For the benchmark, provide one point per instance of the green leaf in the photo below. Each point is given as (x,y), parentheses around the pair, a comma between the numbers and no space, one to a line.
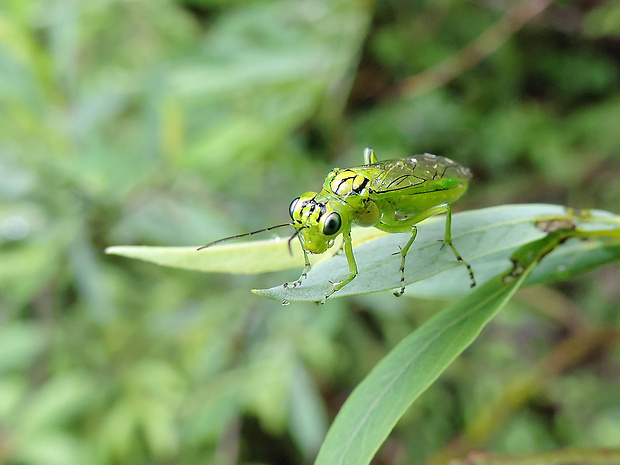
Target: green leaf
(485,238)
(604,20)
(376,404)
(235,258)
(243,258)
(574,257)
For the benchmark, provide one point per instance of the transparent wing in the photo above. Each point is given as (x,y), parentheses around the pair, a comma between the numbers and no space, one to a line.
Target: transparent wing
(421,171)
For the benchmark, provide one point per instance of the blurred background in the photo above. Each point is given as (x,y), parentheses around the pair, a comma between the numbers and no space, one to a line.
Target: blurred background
(178,122)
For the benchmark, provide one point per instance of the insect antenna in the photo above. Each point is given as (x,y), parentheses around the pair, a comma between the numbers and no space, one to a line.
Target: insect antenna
(295,234)
(247,234)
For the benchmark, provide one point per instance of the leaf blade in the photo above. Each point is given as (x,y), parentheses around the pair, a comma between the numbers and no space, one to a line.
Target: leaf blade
(485,238)
(238,258)
(376,404)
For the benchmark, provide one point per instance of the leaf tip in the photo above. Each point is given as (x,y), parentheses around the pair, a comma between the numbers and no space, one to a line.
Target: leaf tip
(112,250)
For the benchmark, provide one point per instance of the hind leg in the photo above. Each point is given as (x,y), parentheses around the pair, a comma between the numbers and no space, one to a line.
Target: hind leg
(409,224)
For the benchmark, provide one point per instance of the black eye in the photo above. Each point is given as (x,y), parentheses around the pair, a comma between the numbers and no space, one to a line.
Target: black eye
(332,224)
(291,208)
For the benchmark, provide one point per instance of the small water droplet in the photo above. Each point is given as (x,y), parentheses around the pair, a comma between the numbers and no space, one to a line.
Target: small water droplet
(286,302)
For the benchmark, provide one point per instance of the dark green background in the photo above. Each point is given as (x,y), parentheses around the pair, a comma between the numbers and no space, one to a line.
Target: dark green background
(180,122)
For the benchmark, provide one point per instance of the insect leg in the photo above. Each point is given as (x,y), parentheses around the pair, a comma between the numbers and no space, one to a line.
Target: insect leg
(401,226)
(404,225)
(340,249)
(448,240)
(304,273)
(348,250)
(403,252)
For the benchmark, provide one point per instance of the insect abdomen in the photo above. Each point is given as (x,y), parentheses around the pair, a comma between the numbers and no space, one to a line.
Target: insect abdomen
(420,200)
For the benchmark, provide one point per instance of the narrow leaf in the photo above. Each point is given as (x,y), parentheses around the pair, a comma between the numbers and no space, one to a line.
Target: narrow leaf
(485,238)
(236,257)
(374,407)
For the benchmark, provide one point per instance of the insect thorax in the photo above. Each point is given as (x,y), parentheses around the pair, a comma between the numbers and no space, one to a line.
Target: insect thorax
(343,183)
(352,189)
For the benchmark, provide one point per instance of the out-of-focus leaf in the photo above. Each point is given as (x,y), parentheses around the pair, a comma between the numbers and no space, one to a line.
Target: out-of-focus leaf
(54,448)
(19,344)
(62,399)
(308,416)
(604,20)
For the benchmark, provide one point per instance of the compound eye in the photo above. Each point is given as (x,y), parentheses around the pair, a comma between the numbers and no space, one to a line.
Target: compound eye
(291,208)
(332,224)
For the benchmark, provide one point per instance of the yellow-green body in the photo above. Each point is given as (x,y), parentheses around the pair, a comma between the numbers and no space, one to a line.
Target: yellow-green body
(391,195)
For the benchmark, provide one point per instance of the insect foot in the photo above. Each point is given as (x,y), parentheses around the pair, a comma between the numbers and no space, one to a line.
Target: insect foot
(292,285)
(402,277)
(461,260)
(335,286)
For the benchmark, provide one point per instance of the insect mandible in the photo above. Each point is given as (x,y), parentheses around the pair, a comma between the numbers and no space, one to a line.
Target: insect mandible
(391,195)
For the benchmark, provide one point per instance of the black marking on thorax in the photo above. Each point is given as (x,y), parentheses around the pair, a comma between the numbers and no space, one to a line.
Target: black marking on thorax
(348,182)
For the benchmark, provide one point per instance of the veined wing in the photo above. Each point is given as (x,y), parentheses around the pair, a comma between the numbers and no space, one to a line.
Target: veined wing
(422,171)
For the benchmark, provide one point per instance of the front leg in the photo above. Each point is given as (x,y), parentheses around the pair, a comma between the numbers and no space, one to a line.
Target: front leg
(305,271)
(348,250)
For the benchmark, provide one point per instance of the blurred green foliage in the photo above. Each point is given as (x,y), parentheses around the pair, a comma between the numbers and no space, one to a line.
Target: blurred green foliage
(179,122)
